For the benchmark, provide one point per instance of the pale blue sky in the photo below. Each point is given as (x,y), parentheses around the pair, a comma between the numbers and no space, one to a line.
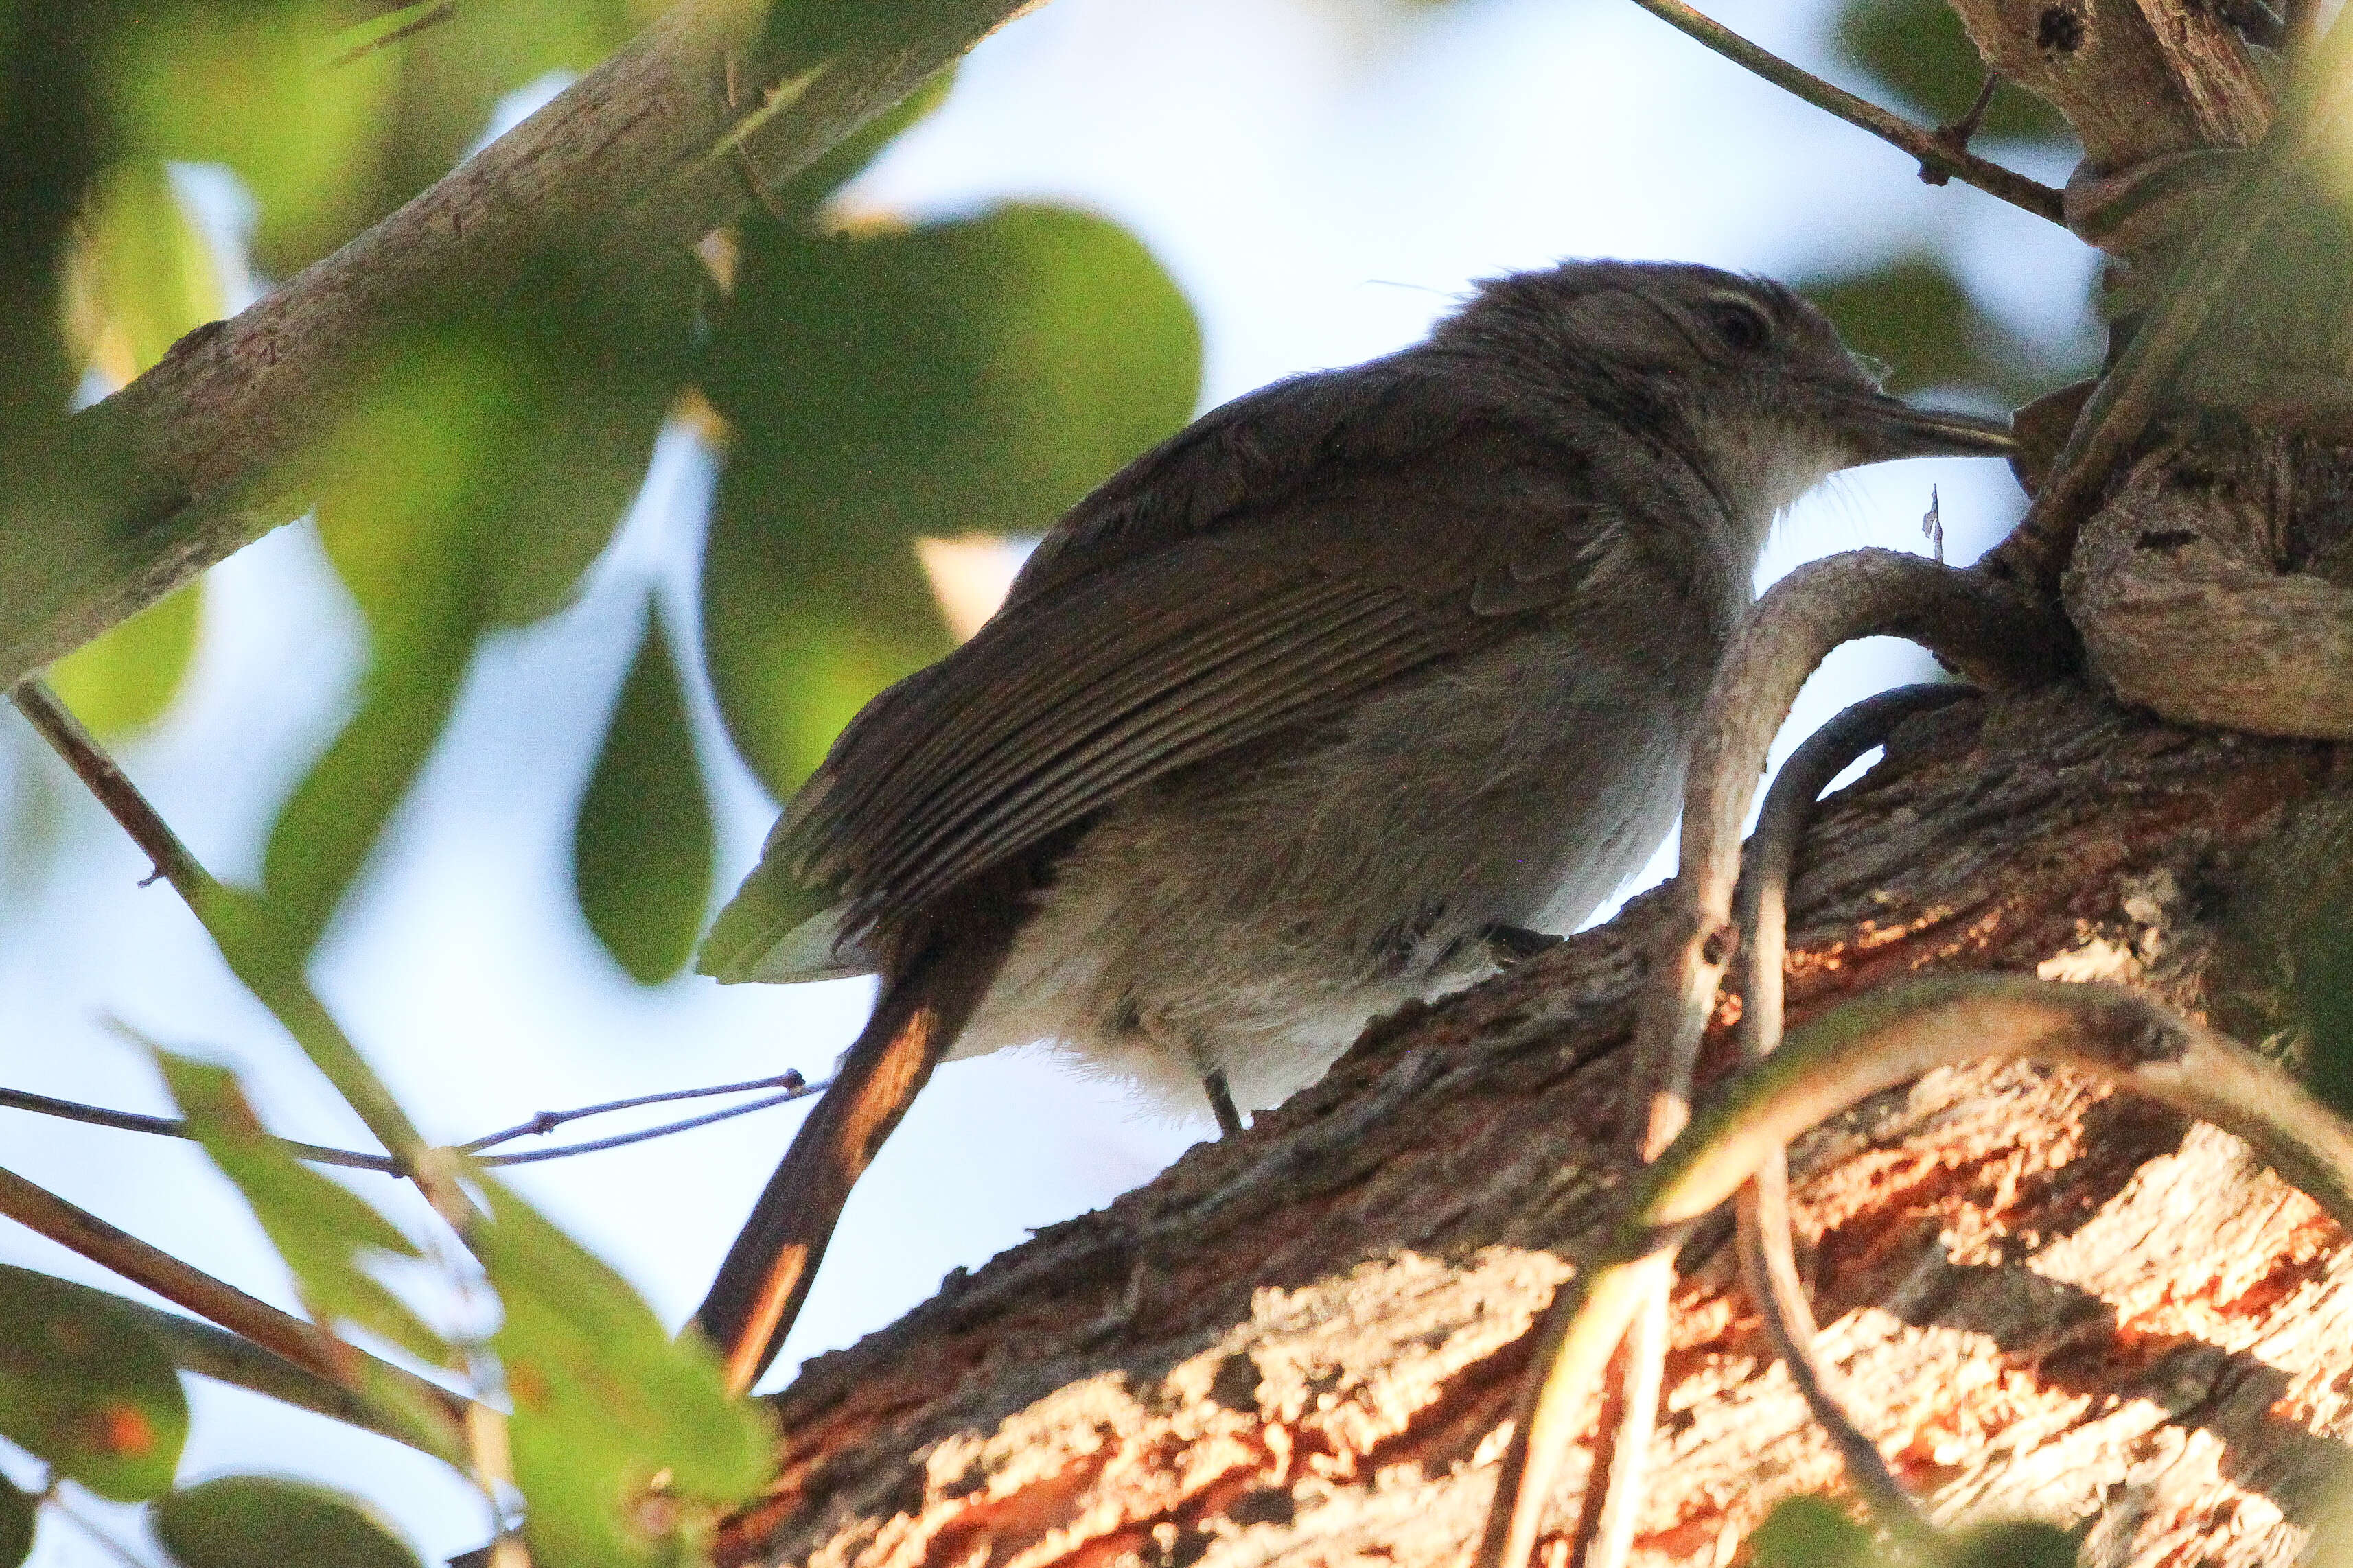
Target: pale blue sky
(1322,176)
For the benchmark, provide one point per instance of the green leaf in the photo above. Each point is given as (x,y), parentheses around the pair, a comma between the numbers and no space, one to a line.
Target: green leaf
(85,1386)
(331,823)
(482,469)
(149,274)
(605,1401)
(1913,315)
(324,1232)
(641,846)
(247,85)
(978,376)
(240,1521)
(126,677)
(17,1525)
(1809,1532)
(1919,49)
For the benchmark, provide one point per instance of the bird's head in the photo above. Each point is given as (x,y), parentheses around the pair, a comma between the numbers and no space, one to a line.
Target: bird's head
(1741,371)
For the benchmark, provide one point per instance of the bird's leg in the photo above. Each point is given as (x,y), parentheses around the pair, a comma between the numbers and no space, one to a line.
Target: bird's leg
(1188,1046)
(1221,1102)
(1510,944)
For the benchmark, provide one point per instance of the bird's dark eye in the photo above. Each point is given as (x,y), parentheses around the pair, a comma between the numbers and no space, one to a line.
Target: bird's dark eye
(1741,325)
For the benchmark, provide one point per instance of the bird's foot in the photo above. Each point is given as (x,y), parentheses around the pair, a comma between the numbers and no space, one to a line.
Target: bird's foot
(1515,944)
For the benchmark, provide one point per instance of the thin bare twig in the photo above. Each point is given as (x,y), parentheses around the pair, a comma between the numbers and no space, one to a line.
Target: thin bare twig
(88,759)
(284,1336)
(353,1159)
(645,1134)
(1874,1042)
(790,1081)
(1931,148)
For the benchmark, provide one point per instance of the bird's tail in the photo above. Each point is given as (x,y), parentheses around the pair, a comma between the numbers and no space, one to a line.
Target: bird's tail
(922,1007)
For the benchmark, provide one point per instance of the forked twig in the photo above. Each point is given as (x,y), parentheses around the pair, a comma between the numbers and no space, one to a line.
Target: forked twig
(788,1087)
(1875,1043)
(1974,624)
(1761,1208)
(1934,150)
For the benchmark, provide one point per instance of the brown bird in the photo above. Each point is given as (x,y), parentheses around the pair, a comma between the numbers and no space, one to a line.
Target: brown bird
(1319,706)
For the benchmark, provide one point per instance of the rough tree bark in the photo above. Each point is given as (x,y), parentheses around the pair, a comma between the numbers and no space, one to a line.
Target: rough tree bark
(1299,1343)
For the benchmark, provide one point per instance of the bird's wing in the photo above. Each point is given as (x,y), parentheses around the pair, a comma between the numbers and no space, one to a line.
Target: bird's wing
(1152,634)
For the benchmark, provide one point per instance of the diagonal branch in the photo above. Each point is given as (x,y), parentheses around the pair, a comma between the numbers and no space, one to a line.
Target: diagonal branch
(634,162)
(1938,154)
(240,929)
(298,1351)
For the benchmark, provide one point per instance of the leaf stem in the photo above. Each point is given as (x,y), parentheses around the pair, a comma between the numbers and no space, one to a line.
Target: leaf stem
(241,927)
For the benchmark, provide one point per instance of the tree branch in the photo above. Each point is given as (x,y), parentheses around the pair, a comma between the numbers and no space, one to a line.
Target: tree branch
(634,162)
(303,1347)
(1946,156)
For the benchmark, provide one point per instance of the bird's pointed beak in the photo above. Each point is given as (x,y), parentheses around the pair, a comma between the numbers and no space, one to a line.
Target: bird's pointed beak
(1881,428)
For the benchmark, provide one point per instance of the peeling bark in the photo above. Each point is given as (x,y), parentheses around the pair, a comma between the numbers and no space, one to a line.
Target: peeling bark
(1300,1343)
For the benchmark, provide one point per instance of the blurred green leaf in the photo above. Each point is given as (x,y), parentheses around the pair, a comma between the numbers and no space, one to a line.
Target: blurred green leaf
(247,85)
(124,679)
(972,377)
(1809,1532)
(327,135)
(484,467)
(493,453)
(1919,49)
(147,275)
(605,1401)
(17,1525)
(2021,1543)
(51,149)
(240,1521)
(331,823)
(1915,316)
(641,846)
(84,1386)
(2320,967)
(324,1232)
